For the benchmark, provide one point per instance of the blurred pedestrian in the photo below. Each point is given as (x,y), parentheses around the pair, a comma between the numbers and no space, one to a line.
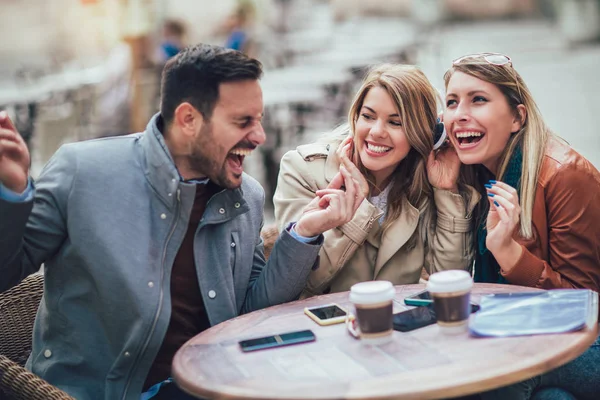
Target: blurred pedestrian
(173,40)
(238,28)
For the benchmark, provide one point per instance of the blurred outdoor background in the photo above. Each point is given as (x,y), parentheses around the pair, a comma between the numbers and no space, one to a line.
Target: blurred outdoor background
(81,69)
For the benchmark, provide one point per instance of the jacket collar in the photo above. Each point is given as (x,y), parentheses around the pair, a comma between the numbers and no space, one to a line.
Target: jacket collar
(160,168)
(161,172)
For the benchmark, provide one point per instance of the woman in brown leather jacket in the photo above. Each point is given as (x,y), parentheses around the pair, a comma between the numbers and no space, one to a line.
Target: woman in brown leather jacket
(538,223)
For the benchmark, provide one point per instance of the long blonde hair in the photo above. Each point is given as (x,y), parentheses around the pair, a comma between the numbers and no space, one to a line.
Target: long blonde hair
(532,137)
(416,102)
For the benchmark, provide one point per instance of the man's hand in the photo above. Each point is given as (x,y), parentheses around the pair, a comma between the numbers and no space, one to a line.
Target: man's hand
(14,156)
(332,206)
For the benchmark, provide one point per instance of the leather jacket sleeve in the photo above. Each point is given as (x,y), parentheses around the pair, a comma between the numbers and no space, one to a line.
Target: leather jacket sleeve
(572,198)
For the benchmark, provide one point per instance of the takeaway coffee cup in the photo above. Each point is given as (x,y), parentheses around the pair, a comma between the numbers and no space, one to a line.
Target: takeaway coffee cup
(451,293)
(373,307)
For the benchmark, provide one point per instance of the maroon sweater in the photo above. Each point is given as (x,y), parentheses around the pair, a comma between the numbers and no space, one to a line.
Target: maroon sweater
(188,315)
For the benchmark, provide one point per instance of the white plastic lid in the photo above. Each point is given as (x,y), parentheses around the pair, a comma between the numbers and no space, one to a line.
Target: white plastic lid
(372,292)
(454,280)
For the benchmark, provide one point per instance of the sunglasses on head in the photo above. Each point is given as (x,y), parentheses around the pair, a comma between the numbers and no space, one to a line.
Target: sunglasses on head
(491,58)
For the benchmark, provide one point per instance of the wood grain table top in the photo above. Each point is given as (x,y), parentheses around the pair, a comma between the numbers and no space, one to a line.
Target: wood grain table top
(423,363)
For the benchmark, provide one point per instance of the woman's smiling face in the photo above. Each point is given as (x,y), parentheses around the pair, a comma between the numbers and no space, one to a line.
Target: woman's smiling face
(479,120)
(380,139)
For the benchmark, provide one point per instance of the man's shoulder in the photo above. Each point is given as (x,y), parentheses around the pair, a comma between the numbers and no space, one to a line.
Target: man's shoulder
(104,147)
(105,153)
(252,188)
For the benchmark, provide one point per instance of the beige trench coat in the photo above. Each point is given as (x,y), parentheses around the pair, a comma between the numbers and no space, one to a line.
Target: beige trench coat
(352,252)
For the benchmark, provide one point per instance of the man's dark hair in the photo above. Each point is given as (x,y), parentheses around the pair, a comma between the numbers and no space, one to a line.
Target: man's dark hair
(195,74)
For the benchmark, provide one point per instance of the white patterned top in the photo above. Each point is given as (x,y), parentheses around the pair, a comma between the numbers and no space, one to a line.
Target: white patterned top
(380,201)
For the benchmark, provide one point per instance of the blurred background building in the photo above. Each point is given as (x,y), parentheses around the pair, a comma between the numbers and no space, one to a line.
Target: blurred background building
(81,69)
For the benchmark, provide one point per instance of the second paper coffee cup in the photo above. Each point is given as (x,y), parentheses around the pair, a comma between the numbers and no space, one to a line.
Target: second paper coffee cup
(451,293)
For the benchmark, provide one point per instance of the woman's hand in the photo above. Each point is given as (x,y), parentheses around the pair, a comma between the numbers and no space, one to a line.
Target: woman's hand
(503,218)
(332,206)
(344,153)
(443,167)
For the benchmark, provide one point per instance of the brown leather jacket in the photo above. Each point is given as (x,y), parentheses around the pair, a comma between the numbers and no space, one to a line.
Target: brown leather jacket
(564,251)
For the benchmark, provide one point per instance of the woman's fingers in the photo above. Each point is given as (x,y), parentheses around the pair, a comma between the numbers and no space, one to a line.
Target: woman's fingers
(504,206)
(344,147)
(350,188)
(363,186)
(337,182)
(501,189)
(328,191)
(503,214)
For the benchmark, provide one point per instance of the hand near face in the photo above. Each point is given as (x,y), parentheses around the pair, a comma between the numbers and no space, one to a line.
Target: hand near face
(503,217)
(14,156)
(332,206)
(443,167)
(344,153)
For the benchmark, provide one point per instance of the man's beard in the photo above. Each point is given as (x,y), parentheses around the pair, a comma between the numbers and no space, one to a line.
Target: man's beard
(217,173)
(203,160)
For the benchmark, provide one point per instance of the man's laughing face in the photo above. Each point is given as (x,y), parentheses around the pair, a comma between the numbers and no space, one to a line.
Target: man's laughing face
(233,131)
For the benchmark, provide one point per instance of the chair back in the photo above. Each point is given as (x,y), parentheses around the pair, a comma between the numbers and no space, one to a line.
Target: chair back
(18,307)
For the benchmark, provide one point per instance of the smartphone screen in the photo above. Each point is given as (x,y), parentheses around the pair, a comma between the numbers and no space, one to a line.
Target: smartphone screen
(418,317)
(328,312)
(283,339)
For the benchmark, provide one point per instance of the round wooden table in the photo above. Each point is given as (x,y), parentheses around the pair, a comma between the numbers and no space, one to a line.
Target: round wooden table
(423,363)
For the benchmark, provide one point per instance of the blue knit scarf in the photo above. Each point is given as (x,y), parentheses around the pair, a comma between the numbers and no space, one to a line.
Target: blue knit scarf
(486,267)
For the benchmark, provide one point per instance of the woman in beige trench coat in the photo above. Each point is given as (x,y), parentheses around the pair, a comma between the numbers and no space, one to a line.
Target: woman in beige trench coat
(415,217)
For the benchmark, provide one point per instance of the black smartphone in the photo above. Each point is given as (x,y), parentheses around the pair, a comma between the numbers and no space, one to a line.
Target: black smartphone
(284,339)
(418,317)
(327,315)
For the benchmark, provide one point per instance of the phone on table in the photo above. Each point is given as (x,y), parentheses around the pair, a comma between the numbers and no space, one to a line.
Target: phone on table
(419,299)
(418,317)
(283,339)
(328,314)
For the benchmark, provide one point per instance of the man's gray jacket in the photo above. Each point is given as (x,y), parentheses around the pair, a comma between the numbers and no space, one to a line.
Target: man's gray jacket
(107,220)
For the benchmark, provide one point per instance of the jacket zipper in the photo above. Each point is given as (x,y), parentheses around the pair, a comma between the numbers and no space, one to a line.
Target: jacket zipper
(161,295)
